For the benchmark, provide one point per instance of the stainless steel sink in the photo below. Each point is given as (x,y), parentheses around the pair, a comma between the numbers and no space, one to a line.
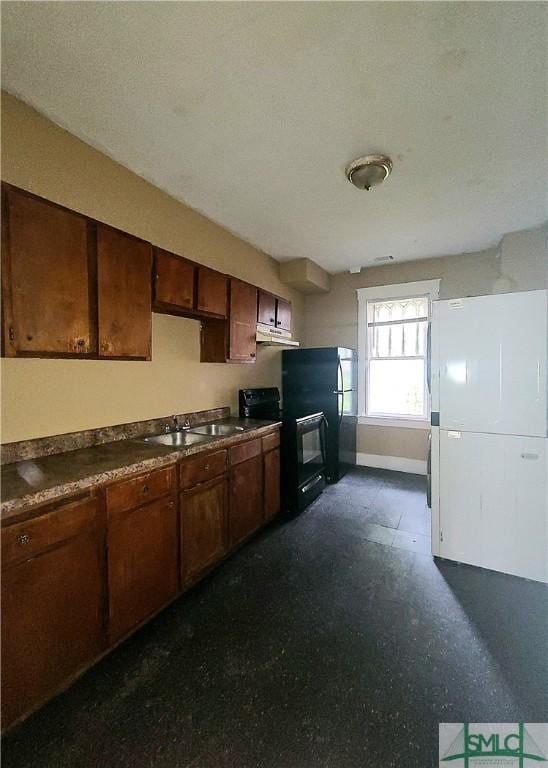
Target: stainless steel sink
(175,439)
(217,430)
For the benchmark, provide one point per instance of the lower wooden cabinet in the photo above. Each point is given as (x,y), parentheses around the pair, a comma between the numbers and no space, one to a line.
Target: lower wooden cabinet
(52,622)
(80,576)
(203,527)
(246,499)
(142,563)
(271,464)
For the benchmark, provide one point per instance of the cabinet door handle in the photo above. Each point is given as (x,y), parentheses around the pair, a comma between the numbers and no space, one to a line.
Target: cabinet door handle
(252,354)
(206,467)
(23,539)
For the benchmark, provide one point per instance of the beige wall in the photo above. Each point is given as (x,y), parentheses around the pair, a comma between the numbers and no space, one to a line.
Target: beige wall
(43,397)
(393,441)
(332,318)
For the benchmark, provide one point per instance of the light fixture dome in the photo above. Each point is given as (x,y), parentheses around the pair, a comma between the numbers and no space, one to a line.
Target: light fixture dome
(368,171)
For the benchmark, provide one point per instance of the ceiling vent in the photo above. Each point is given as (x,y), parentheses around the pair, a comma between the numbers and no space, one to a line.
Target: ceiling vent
(366,172)
(383,259)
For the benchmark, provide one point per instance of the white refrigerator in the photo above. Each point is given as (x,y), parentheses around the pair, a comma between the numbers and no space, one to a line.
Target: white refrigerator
(489,432)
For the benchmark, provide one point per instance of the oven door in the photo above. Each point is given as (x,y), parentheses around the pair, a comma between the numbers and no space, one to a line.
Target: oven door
(310,434)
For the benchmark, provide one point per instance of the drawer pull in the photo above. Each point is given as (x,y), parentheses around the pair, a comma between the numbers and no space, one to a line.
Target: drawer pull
(206,467)
(145,488)
(23,539)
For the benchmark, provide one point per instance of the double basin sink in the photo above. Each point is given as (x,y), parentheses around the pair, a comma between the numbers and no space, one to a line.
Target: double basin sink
(194,435)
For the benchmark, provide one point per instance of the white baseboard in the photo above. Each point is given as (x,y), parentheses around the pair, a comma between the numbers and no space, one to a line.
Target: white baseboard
(396,463)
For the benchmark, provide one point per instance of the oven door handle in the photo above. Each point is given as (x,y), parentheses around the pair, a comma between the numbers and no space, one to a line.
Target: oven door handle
(323,438)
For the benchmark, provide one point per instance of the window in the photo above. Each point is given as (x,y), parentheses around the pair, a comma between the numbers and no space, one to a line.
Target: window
(393,352)
(396,342)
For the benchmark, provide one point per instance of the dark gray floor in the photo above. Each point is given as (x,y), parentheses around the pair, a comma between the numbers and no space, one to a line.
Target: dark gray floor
(314,647)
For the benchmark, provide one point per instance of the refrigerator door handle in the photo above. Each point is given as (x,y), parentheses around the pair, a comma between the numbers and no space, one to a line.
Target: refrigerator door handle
(429,473)
(429,357)
(341,392)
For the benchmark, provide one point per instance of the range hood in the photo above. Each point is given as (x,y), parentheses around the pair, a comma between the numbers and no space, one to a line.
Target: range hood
(274,337)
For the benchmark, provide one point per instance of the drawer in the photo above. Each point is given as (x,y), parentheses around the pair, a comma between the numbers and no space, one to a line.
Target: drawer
(245,451)
(202,468)
(271,441)
(24,540)
(132,493)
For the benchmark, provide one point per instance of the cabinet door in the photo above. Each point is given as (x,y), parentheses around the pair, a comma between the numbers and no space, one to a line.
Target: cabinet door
(203,527)
(52,616)
(212,292)
(266,309)
(48,282)
(283,315)
(271,462)
(243,321)
(246,499)
(142,563)
(173,281)
(124,270)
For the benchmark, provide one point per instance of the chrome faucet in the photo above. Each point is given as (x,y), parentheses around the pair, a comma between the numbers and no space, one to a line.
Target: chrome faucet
(181,423)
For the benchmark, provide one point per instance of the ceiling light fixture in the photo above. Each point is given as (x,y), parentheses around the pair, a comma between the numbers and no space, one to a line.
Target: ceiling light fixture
(368,171)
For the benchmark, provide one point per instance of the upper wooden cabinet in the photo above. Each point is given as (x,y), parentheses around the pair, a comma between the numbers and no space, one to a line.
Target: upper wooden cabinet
(47,278)
(273,311)
(75,287)
(266,309)
(212,292)
(233,341)
(283,314)
(124,268)
(242,344)
(174,279)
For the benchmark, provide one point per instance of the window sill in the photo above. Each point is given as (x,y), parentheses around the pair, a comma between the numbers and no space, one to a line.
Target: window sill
(394,421)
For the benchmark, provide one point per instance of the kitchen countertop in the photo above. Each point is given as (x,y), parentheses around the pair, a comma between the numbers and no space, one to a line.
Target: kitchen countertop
(27,484)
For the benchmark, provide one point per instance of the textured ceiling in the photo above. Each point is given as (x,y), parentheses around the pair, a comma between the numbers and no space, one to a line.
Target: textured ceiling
(249,112)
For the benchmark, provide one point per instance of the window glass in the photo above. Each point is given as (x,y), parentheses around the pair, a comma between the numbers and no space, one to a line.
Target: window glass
(396,388)
(396,360)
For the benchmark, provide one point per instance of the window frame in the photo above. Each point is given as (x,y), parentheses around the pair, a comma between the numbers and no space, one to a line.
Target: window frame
(424,289)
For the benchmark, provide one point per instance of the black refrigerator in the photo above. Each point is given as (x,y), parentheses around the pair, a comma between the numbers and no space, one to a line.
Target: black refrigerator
(325,379)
